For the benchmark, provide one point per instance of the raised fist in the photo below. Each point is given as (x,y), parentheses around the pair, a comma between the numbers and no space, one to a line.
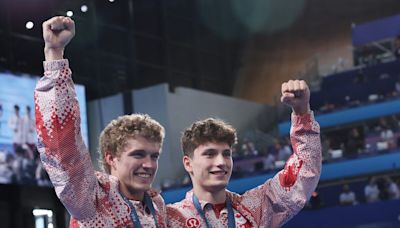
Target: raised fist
(58,32)
(295,93)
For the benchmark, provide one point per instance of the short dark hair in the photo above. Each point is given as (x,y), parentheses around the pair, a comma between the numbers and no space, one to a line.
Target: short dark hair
(204,131)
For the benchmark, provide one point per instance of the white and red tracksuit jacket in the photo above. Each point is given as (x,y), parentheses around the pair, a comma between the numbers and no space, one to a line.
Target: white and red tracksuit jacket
(277,200)
(92,198)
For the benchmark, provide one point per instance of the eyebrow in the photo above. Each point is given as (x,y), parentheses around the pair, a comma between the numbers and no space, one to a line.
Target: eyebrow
(209,150)
(144,151)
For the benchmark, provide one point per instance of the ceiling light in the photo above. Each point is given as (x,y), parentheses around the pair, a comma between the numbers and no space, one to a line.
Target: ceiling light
(84,8)
(29,25)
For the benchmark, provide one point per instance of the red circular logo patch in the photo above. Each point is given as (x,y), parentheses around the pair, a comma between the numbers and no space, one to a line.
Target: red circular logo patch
(192,223)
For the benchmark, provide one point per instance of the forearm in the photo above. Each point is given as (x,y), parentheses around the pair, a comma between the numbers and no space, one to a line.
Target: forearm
(290,189)
(307,156)
(63,153)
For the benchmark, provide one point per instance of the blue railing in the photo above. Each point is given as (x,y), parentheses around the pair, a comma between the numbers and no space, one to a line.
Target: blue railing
(350,168)
(350,115)
(379,214)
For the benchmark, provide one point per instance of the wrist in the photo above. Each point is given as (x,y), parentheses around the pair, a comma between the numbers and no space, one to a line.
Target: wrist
(53,53)
(301,110)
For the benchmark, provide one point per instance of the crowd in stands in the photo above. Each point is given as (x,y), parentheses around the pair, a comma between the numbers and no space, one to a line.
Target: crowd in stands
(374,137)
(347,101)
(371,190)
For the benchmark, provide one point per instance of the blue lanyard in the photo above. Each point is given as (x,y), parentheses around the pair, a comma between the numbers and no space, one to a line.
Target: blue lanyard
(149,203)
(231,217)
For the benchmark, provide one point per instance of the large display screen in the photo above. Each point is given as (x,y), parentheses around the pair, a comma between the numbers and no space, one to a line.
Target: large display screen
(19,159)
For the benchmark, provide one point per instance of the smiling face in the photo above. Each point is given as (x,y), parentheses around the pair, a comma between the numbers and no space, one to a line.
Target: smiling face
(210,166)
(135,167)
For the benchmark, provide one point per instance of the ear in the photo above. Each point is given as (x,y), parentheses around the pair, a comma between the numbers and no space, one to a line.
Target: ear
(187,163)
(109,158)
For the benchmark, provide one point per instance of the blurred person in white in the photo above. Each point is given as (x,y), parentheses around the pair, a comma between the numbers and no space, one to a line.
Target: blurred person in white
(347,197)
(388,136)
(393,189)
(28,129)
(16,125)
(371,191)
(285,151)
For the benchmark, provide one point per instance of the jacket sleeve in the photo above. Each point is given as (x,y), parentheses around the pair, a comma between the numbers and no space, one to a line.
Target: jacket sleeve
(283,196)
(62,150)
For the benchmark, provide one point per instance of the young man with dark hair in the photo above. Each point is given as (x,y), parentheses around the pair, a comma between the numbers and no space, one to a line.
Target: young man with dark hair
(207,148)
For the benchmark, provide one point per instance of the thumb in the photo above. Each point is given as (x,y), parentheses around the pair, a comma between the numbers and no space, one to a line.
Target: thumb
(287,97)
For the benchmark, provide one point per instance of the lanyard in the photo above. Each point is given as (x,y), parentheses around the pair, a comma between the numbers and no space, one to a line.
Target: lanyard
(231,217)
(149,203)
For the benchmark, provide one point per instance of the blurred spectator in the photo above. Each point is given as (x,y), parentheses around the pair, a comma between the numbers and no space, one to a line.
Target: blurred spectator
(392,187)
(371,191)
(252,148)
(248,149)
(388,138)
(347,197)
(383,189)
(394,123)
(245,150)
(16,125)
(315,200)
(6,173)
(269,161)
(274,148)
(28,130)
(326,148)
(284,151)
(355,143)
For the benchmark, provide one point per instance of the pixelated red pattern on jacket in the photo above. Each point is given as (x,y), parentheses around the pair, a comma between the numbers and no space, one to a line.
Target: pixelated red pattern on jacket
(273,203)
(92,198)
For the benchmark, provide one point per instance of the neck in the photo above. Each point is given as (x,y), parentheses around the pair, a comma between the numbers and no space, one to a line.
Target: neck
(213,197)
(131,194)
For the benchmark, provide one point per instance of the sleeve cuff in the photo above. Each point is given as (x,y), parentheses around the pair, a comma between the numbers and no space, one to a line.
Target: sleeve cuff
(55,64)
(303,118)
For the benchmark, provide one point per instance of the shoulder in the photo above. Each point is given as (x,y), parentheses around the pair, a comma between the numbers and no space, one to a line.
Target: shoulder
(234,197)
(185,203)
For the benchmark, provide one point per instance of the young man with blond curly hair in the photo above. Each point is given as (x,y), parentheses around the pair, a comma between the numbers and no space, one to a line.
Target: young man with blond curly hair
(207,157)
(129,145)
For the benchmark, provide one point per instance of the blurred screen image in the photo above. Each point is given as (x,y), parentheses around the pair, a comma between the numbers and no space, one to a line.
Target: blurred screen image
(19,159)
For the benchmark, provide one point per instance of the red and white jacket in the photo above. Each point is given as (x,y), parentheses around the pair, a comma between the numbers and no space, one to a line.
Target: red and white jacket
(277,200)
(92,198)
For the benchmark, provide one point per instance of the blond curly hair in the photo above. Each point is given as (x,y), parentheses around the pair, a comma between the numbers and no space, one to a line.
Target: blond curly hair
(114,136)
(204,131)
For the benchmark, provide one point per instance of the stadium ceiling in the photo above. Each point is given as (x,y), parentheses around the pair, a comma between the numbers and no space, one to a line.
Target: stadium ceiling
(122,45)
